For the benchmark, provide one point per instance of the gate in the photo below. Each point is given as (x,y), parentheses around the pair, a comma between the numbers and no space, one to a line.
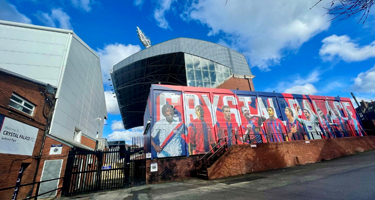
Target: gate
(91,171)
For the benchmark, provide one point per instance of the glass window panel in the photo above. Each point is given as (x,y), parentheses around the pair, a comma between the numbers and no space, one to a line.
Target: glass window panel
(190,74)
(206,84)
(198,75)
(199,84)
(16,99)
(191,83)
(26,111)
(15,105)
(226,75)
(196,62)
(220,78)
(211,66)
(213,77)
(204,64)
(27,105)
(206,76)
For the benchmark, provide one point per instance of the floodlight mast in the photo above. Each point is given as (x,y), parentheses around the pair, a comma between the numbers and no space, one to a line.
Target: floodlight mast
(145,41)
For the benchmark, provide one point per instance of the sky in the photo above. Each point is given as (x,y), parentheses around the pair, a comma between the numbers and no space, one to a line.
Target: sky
(290,46)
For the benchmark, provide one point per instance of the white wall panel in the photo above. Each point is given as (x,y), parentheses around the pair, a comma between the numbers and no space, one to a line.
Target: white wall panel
(82,82)
(35,53)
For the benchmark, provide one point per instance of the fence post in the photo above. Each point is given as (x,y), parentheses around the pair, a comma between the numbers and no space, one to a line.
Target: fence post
(99,155)
(68,173)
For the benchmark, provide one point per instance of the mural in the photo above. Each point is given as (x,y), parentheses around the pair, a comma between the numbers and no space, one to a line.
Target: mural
(192,121)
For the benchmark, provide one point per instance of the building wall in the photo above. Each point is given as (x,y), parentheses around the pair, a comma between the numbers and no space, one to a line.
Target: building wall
(46,156)
(10,164)
(87,141)
(244,159)
(62,59)
(81,102)
(234,83)
(33,52)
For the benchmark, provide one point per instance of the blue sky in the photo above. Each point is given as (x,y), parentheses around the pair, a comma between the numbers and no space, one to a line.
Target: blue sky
(289,47)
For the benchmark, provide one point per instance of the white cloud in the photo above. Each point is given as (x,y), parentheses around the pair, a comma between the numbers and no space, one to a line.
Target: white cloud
(343,47)
(111,103)
(57,18)
(126,135)
(112,54)
(9,12)
(261,30)
(365,82)
(83,4)
(138,3)
(298,85)
(117,125)
(302,89)
(159,12)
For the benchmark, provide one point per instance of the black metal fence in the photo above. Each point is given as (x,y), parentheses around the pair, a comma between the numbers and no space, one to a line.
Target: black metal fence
(90,171)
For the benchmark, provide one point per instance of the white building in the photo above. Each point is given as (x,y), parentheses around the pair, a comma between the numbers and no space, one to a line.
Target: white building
(60,58)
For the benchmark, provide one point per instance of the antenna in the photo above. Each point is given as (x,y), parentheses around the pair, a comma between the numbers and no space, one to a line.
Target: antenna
(145,41)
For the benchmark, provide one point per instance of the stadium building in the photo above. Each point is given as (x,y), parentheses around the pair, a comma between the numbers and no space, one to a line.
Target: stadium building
(35,61)
(180,61)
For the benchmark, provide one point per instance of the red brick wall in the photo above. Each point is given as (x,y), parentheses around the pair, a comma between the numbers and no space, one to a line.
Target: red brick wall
(243,159)
(88,142)
(11,164)
(45,156)
(171,169)
(240,83)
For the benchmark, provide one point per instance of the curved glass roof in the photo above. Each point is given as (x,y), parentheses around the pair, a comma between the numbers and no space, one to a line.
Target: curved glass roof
(207,65)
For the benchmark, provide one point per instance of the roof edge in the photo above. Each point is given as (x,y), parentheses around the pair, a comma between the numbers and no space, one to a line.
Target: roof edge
(31,26)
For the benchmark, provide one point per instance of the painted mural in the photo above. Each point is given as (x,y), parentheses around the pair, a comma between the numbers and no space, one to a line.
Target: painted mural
(190,121)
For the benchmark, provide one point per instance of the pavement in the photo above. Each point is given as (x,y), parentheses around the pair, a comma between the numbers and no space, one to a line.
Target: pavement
(350,177)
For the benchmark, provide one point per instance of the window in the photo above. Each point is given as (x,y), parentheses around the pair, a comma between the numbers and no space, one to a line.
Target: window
(77,135)
(21,104)
(205,73)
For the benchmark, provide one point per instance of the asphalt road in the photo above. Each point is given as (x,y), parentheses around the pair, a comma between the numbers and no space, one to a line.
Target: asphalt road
(351,177)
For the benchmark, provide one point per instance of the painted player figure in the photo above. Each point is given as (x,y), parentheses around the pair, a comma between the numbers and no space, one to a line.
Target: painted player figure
(274,127)
(253,132)
(311,123)
(200,134)
(166,134)
(295,130)
(354,125)
(325,123)
(339,123)
(228,129)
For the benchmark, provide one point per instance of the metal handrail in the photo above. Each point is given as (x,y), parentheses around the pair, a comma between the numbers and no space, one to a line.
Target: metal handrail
(37,190)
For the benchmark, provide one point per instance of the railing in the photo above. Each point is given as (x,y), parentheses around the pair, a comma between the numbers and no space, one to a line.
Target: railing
(37,188)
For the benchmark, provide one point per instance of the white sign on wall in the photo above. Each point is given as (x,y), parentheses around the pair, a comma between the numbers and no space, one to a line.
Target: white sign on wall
(55,149)
(154,167)
(16,137)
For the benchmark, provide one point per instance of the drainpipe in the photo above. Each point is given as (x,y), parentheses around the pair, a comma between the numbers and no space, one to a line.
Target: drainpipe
(49,98)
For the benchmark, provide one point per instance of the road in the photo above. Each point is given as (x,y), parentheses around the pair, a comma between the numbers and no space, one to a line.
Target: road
(351,177)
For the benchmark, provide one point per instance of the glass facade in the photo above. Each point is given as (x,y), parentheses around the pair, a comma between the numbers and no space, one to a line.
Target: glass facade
(205,73)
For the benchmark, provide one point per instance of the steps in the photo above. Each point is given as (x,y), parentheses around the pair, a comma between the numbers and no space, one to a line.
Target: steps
(210,158)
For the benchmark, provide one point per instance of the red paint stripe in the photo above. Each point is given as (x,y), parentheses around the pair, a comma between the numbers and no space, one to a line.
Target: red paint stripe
(171,134)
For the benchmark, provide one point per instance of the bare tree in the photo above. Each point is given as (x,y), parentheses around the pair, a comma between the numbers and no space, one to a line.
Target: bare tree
(343,9)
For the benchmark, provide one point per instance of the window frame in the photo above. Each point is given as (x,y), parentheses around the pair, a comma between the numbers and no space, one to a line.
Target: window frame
(22,104)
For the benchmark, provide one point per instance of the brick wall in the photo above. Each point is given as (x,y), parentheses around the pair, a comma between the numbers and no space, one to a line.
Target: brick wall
(10,164)
(243,159)
(240,83)
(46,156)
(88,142)
(171,169)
